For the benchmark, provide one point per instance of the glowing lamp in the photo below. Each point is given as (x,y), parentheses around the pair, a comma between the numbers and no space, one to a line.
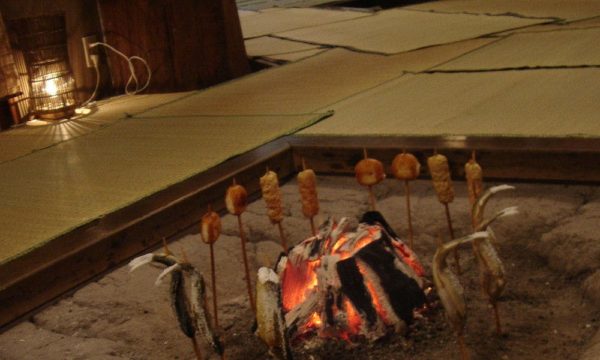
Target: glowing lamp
(43,41)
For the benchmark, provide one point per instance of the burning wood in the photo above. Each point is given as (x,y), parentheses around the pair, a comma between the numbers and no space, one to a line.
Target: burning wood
(347,285)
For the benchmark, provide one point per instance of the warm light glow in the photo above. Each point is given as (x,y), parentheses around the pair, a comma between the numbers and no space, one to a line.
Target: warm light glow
(50,87)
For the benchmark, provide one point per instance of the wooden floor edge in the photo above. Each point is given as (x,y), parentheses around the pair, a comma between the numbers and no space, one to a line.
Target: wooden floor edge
(573,160)
(73,259)
(53,270)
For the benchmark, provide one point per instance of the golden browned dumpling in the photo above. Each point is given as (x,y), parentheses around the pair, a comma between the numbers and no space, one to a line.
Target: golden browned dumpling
(405,166)
(369,172)
(210,227)
(236,199)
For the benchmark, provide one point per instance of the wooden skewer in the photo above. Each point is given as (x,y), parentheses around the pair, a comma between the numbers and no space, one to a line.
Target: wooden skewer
(408,214)
(497,318)
(313,228)
(165,247)
(371,198)
(213,279)
(246,268)
(451,230)
(196,348)
(464,351)
(282,236)
(370,187)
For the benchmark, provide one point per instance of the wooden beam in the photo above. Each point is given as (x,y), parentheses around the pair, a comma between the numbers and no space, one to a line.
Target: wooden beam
(528,159)
(52,270)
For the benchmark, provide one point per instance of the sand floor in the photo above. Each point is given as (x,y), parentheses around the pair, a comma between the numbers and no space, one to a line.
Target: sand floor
(551,306)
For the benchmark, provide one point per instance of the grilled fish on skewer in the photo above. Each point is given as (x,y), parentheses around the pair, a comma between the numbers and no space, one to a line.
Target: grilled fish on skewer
(190,313)
(450,290)
(491,269)
(271,327)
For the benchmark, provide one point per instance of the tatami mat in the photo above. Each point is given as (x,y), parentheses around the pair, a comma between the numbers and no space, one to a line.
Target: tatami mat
(536,103)
(393,31)
(269,22)
(310,84)
(560,9)
(26,139)
(278,49)
(537,49)
(56,190)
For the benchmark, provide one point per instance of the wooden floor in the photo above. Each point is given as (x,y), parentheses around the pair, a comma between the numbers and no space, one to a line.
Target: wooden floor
(532,122)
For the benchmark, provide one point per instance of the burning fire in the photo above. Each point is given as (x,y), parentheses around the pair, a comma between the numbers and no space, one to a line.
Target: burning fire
(317,298)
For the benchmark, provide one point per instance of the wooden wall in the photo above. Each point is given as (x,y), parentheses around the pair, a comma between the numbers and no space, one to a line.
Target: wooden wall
(189,44)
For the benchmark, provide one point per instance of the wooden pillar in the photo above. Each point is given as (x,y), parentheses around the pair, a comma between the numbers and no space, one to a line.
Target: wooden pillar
(189,44)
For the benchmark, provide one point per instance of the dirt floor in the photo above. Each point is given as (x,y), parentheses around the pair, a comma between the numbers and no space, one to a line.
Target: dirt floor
(550,308)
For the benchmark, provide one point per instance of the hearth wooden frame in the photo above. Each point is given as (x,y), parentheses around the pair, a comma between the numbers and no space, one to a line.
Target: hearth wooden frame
(46,273)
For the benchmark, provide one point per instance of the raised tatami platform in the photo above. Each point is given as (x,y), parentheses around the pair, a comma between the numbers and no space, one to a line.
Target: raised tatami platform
(81,196)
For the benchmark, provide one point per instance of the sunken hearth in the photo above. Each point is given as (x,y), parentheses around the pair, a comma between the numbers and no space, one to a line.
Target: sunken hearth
(340,284)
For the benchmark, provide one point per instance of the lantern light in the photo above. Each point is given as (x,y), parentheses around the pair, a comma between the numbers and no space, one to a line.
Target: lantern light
(43,41)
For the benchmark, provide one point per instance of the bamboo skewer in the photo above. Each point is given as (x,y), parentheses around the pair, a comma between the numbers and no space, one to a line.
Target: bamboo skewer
(442,183)
(246,268)
(196,348)
(210,230)
(372,205)
(452,237)
(236,203)
(405,166)
(313,228)
(464,351)
(282,236)
(408,214)
(213,281)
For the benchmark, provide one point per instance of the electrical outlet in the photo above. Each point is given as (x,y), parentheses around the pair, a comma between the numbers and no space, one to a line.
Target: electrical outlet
(87,51)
